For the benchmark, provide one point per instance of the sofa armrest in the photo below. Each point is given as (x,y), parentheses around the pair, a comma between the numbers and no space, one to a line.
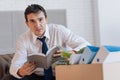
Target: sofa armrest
(5,61)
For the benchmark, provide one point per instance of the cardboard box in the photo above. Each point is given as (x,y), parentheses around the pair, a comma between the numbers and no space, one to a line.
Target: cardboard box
(88,72)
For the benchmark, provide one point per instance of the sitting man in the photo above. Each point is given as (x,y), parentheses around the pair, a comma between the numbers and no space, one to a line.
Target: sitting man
(38,39)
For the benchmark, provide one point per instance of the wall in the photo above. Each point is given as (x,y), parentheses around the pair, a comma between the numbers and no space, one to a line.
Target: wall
(13,24)
(80,15)
(109,21)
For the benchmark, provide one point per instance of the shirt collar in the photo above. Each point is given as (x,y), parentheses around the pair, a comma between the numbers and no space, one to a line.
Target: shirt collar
(47,35)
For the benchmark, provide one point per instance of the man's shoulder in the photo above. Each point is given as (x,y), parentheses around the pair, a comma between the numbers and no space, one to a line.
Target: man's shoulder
(55,26)
(26,34)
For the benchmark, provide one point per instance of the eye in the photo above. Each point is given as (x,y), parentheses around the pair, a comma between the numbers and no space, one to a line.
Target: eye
(32,21)
(40,19)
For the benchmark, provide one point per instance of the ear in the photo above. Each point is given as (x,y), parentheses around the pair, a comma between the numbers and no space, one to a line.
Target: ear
(27,24)
(46,20)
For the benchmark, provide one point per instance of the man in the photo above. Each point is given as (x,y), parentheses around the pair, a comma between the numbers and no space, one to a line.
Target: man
(30,43)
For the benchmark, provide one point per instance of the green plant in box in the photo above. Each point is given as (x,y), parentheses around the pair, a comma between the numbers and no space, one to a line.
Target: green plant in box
(66,56)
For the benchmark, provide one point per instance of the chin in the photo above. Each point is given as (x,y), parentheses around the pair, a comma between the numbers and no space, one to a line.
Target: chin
(40,35)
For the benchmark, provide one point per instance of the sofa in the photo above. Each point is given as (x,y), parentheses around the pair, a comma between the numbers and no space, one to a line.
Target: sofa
(5,60)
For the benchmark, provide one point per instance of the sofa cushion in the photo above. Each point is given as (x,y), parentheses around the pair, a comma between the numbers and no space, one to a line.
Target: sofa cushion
(5,61)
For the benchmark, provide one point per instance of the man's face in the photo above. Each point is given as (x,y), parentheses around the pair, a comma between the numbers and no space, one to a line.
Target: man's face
(37,23)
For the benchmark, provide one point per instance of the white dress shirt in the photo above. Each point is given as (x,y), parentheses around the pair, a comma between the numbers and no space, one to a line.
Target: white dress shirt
(56,35)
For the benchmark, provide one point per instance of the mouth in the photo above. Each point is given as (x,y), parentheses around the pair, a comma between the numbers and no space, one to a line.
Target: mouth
(39,30)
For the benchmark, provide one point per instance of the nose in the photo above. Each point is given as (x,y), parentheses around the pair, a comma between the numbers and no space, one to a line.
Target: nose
(37,23)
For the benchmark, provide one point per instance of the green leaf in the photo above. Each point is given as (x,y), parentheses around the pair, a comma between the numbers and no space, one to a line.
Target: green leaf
(81,51)
(65,54)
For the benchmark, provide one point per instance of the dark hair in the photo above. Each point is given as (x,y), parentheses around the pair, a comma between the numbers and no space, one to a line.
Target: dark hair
(34,8)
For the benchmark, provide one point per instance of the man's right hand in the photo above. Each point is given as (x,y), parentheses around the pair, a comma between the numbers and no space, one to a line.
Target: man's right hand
(57,54)
(27,69)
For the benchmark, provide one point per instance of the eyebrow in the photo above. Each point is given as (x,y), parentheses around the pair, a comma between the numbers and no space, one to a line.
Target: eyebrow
(31,20)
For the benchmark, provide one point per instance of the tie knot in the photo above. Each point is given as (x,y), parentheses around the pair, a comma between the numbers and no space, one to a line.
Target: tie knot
(42,39)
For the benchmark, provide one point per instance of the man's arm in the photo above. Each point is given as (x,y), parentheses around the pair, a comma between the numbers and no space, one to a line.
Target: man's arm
(75,42)
(20,57)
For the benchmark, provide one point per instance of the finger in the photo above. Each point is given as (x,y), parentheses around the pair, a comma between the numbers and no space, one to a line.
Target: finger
(31,69)
(28,64)
(56,55)
(58,51)
(30,72)
(72,52)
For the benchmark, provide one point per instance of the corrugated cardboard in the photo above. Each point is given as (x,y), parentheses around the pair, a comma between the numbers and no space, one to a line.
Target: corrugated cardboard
(88,72)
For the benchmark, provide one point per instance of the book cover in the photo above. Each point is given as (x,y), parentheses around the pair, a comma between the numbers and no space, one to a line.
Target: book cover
(42,60)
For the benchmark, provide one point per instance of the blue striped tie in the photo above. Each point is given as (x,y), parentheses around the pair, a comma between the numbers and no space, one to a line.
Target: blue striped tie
(47,72)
